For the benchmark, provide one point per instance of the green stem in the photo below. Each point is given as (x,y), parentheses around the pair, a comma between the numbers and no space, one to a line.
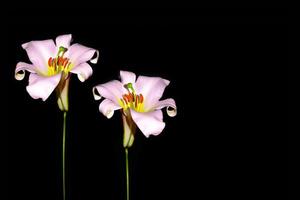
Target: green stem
(127,174)
(64,156)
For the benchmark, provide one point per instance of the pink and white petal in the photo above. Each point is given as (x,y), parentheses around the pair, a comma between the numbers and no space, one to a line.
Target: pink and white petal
(107,108)
(152,88)
(63,40)
(80,54)
(127,77)
(170,104)
(39,53)
(83,71)
(150,123)
(129,131)
(112,90)
(41,86)
(21,68)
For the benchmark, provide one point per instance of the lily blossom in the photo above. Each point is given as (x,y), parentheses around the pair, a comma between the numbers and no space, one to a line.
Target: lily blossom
(51,65)
(139,101)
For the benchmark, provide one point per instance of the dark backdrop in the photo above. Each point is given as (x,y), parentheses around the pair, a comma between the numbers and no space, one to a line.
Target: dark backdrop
(228,77)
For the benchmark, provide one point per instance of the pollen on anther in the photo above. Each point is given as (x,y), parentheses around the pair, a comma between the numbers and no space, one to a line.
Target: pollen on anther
(65,62)
(131,97)
(125,98)
(141,98)
(50,62)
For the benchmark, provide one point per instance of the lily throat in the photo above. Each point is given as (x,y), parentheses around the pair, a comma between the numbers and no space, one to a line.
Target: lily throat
(132,100)
(59,63)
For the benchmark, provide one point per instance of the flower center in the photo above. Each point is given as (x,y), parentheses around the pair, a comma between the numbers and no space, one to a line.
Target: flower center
(132,100)
(59,63)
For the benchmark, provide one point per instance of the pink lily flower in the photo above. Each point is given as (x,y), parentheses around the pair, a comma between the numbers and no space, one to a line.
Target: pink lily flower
(139,101)
(51,65)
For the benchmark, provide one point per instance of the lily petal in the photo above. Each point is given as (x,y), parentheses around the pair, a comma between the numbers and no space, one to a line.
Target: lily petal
(170,104)
(83,71)
(80,54)
(127,77)
(111,90)
(20,70)
(152,88)
(39,52)
(42,87)
(63,40)
(107,108)
(149,123)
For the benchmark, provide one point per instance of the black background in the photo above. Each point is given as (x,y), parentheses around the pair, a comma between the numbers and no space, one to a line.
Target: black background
(228,74)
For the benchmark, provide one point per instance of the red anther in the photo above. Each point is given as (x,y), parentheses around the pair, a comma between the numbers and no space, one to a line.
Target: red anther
(66,60)
(125,98)
(50,62)
(131,97)
(141,98)
(60,61)
(137,98)
(57,61)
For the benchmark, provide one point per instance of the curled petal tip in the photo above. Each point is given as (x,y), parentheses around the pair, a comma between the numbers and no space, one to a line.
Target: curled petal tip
(107,108)
(83,71)
(21,68)
(95,60)
(109,114)
(20,75)
(170,105)
(81,78)
(171,111)
(96,94)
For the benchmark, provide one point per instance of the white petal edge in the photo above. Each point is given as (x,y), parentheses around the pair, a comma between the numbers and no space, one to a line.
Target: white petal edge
(42,87)
(107,108)
(150,123)
(83,71)
(22,67)
(170,104)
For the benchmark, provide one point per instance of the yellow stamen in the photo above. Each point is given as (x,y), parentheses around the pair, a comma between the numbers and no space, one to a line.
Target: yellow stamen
(60,63)
(133,101)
